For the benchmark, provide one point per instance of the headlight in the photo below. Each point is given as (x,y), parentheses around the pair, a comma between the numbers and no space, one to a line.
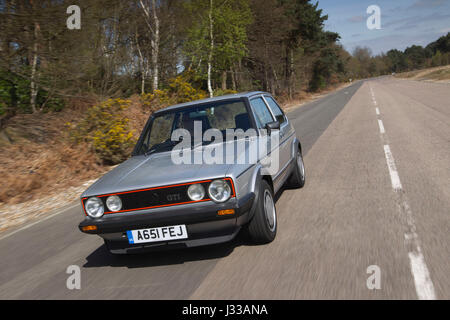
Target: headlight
(196,192)
(94,207)
(219,191)
(114,203)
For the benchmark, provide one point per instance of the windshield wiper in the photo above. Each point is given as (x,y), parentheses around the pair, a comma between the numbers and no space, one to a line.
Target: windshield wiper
(156,148)
(149,152)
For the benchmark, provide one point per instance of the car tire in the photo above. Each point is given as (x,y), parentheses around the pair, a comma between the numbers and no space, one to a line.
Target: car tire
(263,226)
(297,179)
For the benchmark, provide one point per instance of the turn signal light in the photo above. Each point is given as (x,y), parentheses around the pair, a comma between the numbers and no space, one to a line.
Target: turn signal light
(225,212)
(89,228)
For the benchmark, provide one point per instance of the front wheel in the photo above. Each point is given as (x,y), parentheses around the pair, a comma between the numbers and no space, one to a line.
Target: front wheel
(297,179)
(263,227)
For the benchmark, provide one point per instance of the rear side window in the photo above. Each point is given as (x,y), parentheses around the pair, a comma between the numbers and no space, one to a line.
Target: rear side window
(276,110)
(262,114)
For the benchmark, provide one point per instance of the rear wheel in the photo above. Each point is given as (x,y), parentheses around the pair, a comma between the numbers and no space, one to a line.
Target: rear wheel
(297,179)
(263,227)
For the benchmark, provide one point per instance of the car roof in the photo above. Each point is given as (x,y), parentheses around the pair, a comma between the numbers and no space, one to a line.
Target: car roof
(214,99)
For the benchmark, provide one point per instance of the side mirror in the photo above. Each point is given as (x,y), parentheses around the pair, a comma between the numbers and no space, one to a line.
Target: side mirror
(180,139)
(275,125)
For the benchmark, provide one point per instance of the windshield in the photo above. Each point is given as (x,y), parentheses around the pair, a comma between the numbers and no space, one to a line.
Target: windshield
(219,115)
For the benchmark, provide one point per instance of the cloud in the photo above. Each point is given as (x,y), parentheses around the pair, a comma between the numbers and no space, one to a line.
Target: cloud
(414,21)
(356,19)
(394,41)
(420,4)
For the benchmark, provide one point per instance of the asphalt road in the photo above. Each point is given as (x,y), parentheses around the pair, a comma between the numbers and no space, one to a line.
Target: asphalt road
(364,204)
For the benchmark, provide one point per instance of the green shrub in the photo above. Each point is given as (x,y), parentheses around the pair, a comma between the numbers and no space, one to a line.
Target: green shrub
(179,90)
(182,91)
(220,92)
(106,130)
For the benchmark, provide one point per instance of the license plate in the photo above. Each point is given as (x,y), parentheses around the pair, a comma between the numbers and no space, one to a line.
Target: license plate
(157,234)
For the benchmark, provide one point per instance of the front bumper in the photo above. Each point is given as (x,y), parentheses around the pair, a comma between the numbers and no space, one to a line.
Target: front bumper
(204,225)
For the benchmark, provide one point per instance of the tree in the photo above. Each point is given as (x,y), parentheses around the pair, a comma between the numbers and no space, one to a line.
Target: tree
(416,56)
(396,61)
(150,9)
(305,32)
(217,38)
(265,42)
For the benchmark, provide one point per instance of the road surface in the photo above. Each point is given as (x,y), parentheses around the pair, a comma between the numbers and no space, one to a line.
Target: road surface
(377,197)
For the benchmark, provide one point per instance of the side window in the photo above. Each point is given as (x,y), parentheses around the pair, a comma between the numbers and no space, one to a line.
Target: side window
(276,110)
(262,114)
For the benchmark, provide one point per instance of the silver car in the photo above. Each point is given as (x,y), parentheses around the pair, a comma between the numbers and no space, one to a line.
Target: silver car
(154,200)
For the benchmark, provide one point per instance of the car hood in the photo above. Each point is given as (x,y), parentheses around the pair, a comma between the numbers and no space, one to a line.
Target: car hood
(155,170)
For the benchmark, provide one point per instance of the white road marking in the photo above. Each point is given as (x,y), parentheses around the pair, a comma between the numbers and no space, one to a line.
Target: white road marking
(395,179)
(380,124)
(422,281)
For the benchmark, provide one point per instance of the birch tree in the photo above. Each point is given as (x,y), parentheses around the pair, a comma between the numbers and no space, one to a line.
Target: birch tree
(217,38)
(149,8)
(211,46)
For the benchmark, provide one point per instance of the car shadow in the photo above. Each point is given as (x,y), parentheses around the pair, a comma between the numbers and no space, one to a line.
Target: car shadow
(101,257)
(166,256)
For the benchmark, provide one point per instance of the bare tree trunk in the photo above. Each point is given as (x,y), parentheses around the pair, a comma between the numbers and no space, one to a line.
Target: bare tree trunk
(33,84)
(276,86)
(155,38)
(267,86)
(224,80)
(155,48)
(211,47)
(291,73)
(233,78)
(238,74)
(141,63)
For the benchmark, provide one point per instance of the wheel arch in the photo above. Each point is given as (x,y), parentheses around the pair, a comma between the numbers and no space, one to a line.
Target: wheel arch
(257,178)
(296,145)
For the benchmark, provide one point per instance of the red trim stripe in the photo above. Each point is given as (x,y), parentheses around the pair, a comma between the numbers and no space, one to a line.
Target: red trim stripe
(154,188)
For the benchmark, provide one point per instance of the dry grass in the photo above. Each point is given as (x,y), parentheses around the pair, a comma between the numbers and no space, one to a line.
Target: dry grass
(36,159)
(439,74)
(442,74)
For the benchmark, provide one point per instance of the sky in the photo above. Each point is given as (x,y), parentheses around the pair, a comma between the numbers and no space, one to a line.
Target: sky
(403,22)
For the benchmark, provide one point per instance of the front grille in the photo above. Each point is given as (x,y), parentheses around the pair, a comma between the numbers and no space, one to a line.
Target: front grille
(157,197)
